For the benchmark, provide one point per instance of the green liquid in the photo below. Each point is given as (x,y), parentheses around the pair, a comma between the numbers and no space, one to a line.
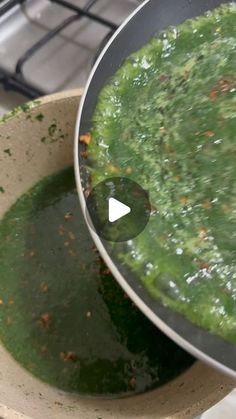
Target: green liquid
(167,120)
(62,314)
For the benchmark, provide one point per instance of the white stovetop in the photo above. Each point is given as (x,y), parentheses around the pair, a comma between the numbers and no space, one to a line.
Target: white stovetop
(65,62)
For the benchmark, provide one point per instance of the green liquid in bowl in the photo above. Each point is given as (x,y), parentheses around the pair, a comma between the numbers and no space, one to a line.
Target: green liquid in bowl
(62,314)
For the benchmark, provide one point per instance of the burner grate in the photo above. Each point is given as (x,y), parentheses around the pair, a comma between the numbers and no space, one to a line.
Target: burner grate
(16,79)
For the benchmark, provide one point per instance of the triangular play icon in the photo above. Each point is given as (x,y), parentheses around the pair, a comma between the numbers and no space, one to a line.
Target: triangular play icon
(117,210)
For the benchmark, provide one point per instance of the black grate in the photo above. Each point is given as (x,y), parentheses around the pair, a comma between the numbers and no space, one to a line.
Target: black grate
(16,80)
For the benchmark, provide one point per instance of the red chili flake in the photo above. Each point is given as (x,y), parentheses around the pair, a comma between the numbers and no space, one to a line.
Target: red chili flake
(68,216)
(72,252)
(71,235)
(203,232)
(184,200)
(225,85)
(163,77)
(163,130)
(177,178)
(85,138)
(163,237)
(209,134)
(153,210)
(207,205)
(68,356)
(84,154)
(44,287)
(213,95)
(45,319)
(202,264)
(205,265)
(61,230)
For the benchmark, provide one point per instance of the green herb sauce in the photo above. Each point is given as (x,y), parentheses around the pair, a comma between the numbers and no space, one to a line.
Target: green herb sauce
(167,119)
(62,314)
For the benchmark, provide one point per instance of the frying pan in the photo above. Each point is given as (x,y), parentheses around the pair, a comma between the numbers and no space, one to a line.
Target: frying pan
(150,18)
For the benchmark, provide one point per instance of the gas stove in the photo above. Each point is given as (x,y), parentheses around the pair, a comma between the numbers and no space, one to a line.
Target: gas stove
(51,45)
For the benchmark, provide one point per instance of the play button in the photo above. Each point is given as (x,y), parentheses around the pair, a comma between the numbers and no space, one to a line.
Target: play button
(118,209)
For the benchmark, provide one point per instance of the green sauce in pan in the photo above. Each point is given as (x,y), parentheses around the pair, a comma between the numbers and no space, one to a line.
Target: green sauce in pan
(167,119)
(62,314)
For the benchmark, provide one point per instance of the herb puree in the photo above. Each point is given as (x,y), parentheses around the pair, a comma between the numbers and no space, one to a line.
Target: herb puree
(167,120)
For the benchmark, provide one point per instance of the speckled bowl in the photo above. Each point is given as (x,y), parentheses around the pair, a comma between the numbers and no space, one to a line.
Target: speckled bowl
(35,141)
